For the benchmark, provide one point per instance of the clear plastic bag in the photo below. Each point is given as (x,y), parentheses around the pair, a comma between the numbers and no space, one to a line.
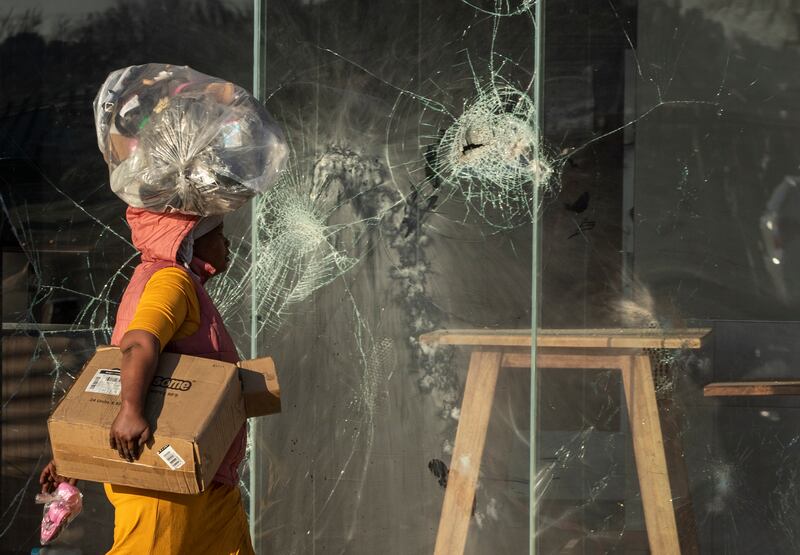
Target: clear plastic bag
(60,508)
(179,140)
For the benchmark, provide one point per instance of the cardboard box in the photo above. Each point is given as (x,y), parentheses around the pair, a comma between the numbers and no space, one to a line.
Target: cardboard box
(195,407)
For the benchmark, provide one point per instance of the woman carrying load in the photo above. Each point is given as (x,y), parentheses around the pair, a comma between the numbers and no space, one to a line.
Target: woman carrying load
(166,308)
(182,147)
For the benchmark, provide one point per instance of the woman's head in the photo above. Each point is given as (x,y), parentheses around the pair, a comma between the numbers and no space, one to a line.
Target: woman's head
(212,247)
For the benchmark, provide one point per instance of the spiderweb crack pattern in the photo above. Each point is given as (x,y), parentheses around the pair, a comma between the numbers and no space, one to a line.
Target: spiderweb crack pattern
(492,154)
(296,251)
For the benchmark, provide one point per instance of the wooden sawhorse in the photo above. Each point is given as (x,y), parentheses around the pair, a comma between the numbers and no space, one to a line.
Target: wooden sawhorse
(602,349)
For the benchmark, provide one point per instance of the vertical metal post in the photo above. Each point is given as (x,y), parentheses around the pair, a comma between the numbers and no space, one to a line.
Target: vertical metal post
(259,91)
(538,94)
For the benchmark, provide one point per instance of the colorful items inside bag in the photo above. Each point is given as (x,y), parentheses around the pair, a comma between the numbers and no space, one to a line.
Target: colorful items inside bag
(178,140)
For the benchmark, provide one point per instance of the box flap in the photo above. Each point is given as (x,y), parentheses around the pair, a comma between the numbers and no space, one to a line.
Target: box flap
(260,388)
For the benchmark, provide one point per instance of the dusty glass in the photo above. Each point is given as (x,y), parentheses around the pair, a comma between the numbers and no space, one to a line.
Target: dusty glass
(620,176)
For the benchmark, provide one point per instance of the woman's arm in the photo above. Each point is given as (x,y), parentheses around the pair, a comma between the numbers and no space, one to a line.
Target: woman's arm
(130,430)
(167,303)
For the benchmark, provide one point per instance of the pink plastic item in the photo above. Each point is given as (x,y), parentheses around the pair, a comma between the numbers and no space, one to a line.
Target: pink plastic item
(60,507)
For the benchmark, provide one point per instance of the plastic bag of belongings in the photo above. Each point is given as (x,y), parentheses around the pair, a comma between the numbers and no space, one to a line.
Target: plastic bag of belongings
(178,140)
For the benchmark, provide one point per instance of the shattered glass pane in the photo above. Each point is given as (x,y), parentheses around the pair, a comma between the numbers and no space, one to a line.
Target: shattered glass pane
(654,191)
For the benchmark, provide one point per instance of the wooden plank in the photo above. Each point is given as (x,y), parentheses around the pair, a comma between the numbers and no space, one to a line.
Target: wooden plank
(648,449)
(562,358)
(517,360)
(752,389)
(494,338)
(625,338)
(467,452)
(678,478)
(578,360)
(644,338)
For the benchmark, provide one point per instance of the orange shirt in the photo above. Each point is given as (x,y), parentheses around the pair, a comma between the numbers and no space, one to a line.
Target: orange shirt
(168,307)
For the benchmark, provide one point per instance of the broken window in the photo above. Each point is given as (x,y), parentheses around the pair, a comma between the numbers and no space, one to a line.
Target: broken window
(620,175)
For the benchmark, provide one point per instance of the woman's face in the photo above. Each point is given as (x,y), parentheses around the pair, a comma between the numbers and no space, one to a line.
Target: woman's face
(213,248)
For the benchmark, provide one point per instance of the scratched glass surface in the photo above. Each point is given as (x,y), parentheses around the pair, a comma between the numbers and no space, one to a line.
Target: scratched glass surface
(667,200)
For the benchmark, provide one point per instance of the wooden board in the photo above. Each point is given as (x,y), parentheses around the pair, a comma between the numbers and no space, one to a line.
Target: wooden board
(465,465)
(678,478)
(651,463)
(752,389)
(640,338)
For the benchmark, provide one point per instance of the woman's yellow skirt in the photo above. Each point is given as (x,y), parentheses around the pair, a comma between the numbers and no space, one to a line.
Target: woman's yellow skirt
(159,523)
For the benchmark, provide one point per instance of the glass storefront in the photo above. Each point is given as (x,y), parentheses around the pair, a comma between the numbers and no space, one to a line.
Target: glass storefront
(619,176)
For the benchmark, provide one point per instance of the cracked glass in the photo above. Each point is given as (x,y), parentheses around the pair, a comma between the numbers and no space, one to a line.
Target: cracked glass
(627,168)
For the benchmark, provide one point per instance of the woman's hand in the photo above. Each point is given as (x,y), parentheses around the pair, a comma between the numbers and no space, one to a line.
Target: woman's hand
(130,431)
(49,478)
